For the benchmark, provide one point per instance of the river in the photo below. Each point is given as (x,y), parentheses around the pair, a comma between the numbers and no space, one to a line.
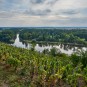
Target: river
(67,49)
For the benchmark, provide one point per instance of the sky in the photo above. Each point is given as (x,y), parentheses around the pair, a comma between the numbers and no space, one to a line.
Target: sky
(46,13)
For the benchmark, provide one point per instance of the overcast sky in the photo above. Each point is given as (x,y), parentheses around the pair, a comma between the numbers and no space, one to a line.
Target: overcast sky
(43,13)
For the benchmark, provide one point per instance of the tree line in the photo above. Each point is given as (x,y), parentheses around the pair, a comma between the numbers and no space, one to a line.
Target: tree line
(75,36)
(7,36)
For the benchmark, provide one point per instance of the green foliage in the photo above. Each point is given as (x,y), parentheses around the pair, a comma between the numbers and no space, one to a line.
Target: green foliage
(29,68)
(55,35)
(75,59)
(7,36)
(54,51)
(13,62)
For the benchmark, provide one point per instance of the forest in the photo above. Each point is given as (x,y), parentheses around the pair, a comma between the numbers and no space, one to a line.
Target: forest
(21,67)
(74,36)
(7,36)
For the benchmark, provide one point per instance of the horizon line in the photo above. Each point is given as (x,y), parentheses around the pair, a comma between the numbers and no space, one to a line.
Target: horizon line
(44,27)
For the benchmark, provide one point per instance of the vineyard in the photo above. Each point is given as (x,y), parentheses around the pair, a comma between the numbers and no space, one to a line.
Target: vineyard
(27,68)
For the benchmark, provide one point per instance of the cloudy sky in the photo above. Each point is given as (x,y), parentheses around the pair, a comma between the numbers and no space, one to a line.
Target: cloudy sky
(28,13)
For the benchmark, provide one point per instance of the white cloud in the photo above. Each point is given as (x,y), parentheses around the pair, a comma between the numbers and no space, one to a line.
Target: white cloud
(43,13)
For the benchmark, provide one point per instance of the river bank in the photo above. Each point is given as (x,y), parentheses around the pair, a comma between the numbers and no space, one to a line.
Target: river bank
(41,46)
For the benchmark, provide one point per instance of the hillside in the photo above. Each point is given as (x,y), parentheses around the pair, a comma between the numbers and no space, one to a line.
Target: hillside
(28,68)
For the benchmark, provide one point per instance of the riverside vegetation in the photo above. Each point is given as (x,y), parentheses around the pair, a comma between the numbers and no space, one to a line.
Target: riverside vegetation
(73,36)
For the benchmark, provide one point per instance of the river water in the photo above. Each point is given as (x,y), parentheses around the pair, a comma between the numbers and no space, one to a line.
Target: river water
(67,49)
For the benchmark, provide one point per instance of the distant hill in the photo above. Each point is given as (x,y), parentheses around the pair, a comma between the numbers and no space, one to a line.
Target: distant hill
(43,27)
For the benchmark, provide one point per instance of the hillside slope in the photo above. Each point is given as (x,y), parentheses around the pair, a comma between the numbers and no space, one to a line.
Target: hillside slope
(27,68)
